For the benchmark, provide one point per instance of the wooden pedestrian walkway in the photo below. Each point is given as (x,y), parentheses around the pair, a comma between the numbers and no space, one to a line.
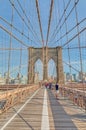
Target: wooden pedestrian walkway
(41,111)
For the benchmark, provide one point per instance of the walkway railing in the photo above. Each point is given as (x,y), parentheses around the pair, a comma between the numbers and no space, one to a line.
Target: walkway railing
(77,96)
(12,97)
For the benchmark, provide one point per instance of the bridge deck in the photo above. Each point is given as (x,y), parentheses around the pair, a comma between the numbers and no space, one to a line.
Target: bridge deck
(41,111)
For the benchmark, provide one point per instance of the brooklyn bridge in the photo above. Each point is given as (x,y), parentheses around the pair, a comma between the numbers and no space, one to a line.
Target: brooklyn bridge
(42,43)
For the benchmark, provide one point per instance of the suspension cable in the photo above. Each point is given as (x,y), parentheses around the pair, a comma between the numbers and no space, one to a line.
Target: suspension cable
(49,21)
(71,66)
(23,19)
(39,19)
(27,18)
(69,31)
(59,27)
(79,45)
(9,55)
(60,19)
(67,37)
(74,47)
(17,68)
(13,49)
(21,51)
(16,29)
(14,36)
(72,37)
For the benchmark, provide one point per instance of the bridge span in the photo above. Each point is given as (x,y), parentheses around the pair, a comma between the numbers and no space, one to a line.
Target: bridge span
(36,108)
(42,41)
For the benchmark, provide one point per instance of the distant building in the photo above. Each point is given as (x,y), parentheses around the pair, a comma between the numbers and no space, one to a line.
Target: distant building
(23,80)
(82,76)
(12,81)
(2,80)
(36,77)
(0,75)
(65,77)
(74,78)
(5,75)
(68,77)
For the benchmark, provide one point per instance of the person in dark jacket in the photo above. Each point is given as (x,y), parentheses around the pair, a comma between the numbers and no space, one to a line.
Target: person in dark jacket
(57,90)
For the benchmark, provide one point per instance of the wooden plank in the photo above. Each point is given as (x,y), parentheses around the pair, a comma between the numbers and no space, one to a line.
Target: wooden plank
(30,116)
(63,115)
(66,115)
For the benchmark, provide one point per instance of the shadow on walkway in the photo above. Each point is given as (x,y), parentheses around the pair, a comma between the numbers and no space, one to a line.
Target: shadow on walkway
(27,123)
(62,120)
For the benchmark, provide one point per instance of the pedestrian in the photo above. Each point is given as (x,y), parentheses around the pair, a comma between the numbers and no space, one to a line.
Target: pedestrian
(46,85)
(57,90)
(50,85)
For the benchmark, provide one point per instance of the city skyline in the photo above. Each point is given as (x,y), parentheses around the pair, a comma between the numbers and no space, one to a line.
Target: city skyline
(26,35)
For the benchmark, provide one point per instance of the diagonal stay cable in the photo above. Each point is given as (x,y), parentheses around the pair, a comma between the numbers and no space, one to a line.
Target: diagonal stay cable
(71,66)
(74,47)
(16,29)
(49,22)
(40,26)
(27,25)
(27,18)
(69,31)
(13,36)
(54,32)
(60,26)
(13,49)
(25,64)
(39,19)
(72,37)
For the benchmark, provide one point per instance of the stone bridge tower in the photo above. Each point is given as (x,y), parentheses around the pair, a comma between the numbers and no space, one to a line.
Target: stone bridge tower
(45,55)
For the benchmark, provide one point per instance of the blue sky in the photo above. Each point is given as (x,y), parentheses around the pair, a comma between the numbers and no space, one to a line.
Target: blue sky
(32,31)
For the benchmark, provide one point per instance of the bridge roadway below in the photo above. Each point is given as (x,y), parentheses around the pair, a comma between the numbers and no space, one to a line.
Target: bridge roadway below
(42,111)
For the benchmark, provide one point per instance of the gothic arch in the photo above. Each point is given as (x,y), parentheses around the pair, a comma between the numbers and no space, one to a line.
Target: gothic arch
(54,59)
(37,53)
(36,59)
(52,68)
(38,68)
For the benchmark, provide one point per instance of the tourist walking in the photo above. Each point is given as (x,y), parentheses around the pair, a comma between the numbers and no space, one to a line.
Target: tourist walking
(57,90)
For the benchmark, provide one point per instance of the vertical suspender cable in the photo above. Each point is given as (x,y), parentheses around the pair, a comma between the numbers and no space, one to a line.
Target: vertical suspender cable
(39,19)
(21,48)
(9,56)
(60,20)
(58,9)
(49,21)
(67,40)
(80,53)
(79,44)
(48,31)
(29,22)
(40,26)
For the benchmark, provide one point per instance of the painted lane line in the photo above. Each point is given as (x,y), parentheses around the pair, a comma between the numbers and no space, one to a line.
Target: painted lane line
(19,110)
(45,118)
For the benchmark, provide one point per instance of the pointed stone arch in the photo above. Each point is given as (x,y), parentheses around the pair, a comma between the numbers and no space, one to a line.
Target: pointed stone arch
(38,68)
(51,68)
(37,53)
